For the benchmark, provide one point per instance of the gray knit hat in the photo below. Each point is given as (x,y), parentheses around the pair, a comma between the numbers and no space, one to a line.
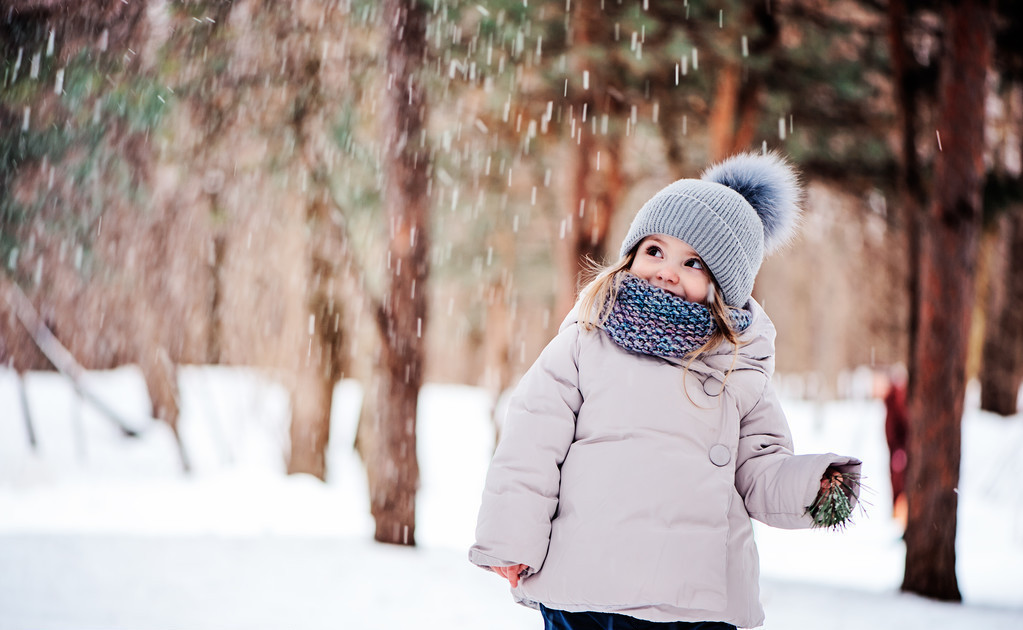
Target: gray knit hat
(738,210)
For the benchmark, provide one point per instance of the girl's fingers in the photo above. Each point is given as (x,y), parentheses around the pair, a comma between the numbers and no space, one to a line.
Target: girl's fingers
(510,573)
(831,480)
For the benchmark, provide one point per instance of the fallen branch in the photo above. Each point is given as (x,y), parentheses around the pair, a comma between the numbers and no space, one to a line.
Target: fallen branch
(58,355)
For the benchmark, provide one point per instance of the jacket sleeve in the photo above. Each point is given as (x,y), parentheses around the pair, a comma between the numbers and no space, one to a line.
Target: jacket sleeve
(776,485)
(521,491)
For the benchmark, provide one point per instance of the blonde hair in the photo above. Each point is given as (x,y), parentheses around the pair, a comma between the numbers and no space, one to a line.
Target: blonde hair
(598,296)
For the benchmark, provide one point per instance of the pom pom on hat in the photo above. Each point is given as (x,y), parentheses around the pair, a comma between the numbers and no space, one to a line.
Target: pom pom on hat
(770,185)
(740,209)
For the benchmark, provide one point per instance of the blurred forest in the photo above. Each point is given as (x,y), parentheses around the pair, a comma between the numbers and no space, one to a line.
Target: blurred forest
(402,191)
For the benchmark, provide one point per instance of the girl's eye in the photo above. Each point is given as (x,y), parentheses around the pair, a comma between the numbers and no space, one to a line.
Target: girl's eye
(695,263)
(654,251)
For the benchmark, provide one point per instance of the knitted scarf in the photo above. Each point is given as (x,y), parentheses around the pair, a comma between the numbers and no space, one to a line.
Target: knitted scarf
(650,320)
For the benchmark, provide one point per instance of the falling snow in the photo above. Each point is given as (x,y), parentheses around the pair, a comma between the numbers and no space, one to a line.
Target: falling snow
(92,516)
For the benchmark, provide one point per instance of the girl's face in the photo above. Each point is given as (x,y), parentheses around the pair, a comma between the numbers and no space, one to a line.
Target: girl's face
(671,264)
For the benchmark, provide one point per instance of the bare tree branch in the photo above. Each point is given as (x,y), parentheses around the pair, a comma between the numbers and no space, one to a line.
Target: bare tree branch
(58,355)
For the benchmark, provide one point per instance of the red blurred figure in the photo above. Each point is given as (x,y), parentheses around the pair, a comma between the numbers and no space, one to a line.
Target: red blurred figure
(896,428)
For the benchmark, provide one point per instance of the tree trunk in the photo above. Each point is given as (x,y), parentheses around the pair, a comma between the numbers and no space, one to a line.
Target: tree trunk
(750,98)
(312,391)
(497,339)
(670,126)
(749,115)
(721,125)
(597,190)
(392,467)
(313,388)
(161,376)
(911,193)
(949,244)
(597,183)
(1001,372)
(311,394)
(215,331)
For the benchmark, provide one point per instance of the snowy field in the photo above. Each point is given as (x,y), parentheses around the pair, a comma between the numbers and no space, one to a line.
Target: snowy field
(102,531)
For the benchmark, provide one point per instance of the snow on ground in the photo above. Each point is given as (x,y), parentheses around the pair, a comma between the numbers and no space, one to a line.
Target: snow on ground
(102,531)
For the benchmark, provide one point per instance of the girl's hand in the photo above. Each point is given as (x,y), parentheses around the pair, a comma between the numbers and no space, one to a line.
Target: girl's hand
(835,500)
(510,573)
(831,479)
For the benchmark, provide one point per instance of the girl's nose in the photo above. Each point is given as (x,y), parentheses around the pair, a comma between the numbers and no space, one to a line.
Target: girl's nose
(667,274)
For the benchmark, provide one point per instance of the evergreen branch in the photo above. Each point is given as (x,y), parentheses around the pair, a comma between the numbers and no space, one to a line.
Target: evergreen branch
(833,508)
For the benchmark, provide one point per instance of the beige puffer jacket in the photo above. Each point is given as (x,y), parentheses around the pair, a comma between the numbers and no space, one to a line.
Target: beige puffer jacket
(626,483)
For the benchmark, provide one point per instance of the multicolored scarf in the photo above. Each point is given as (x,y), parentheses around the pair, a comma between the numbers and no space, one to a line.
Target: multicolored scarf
(650,320)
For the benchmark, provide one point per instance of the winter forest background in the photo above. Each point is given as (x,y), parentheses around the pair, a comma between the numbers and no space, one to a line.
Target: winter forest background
(367,210)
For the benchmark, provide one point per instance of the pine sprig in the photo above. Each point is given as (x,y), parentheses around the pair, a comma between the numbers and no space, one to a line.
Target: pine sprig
(832,508)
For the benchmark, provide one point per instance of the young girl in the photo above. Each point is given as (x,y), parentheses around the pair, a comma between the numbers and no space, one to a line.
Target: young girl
(647,433)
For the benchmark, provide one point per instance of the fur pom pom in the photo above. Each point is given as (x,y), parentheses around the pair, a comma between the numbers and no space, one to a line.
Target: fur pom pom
(770,185)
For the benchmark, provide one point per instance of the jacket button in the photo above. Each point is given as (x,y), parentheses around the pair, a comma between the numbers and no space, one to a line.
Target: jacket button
(712,386)
(720,455)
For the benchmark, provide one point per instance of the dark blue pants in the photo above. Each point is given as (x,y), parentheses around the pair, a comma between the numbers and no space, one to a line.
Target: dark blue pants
(561,620)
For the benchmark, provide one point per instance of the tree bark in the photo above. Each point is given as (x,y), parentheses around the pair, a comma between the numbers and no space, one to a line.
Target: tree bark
(312,392)
(670,126)
(311,396)
(912,196)
(949,245)
(721,126)
(1001,372)
(749,115)
(597,188)
(392,468)
(596,184)
(161,376)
